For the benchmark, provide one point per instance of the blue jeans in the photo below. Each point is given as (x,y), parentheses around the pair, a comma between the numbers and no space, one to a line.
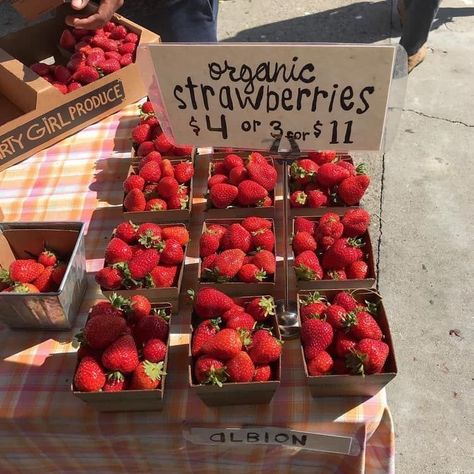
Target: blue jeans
(176,20)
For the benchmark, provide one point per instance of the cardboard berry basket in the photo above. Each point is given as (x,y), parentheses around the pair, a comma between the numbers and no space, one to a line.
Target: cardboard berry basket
(236,211)
(55,310)
(156,295)
(33,113)
(353,385)
(232,393)
(319,211)
(236,288)
(130,400)
(368,282)
(170,215)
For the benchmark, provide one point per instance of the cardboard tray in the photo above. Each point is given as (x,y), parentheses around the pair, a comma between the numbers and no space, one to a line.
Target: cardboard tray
(41,115)
(232,393)
(129,400)
(236,288)
(157,295)
(368,282)
(319,211)
(172,215)
(235,211)
(353,385)
(55,310)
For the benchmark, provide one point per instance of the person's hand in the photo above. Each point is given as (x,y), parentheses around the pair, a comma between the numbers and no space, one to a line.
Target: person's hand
(98,19)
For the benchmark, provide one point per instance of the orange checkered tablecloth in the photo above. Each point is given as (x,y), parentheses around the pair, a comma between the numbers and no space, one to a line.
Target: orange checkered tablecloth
(44,428)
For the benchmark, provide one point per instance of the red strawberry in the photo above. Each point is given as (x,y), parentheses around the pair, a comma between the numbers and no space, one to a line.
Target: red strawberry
(112,55)
(348,166)
(217,179)
(209,370)
(141,133)
(335,275)
(261,308)
(143,263)
(301,224)
(232,161)
(183,172)
(250,193)
(207,265)
(163,276)
(335,316)
(263,373)
(101,331)
(237,175)
(264,174)
(265,348)
(303,171)
(346,300)
(153,326)
(119,32)
(163,144)
(115,382)
(255,224)
(60,87)
(328,231)
(126,231)
(25,271)
(40,68)
(356,222)
(224,345)
(368,357)
(134,181)
(321,364)
(152,156)
(121,355)
(113,307)
(67,40)
(176,232)
(172,253)
(312,306)
(94,58)
(357,270)
(316,335)
(240,368)
(263,239)
(342,253)
(298,199)
(307,266)
(330,174)
(256,157)
(62,74)
(85,75)
(134,201)
(127,48)
(131,38)
(362,325)
(211,303)
(156,205)
(202,334)
(151,173)
(45,282)
(329,217)
(104,43)
(117,251)
(154,350)
(149,233)
(167,187)
(180,150)
(59,272)
(140,307)
(109,278)
(208,243)
(147,376)
(237,237)
(321,157)
(167,169)
(316,199)
(352,189)
(232,312)
(343,344)
(303,241)
(249,273)
(89,376)
(266,261)
(73,86)
(108,66)
(47,258)
(241,320)
(146,148)
(227,264)
(223,195)
(265,202)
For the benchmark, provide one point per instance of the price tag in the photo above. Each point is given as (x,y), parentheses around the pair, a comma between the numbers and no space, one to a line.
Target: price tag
(246,95)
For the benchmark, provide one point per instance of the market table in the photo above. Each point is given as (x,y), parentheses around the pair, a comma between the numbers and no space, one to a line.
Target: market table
(44,428)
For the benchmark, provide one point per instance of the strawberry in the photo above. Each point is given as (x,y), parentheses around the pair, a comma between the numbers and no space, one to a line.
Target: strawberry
(265,202)
(312,306)
(240,368)
(85,75)
(335,275)
(22,288)
(266,261)
(104,43)
(60,87)
(67,40)
(134,201)
(346,300)
(117,251)
(210,303)
(167,187)
(86,351)
(140,307)
(134,181)
(255,224)
(237,175)
(227,264)
(163,144)
(154,350)
(223,195)
(263,373)
(94,58)
(163,276)
(73,86)
(112,55)
(329,217)
(263,239)
(265,348)
(108,66)
(176,232)
(301,224)
(183,172)
(224,345)
(76,61)
(357,270)
(180,150)
(348,166)
(40,68)
(250,193)
(208,243)
(131,38)
(328,231)
(307,266)
(237,237)
(335,316)
(261,308)
(209,370)
(218,229)
(264,174)
(156,205)
(330,175)
(241,320)
(232,161)
(342,253)
(115,382)
(89,376)
(146,148)
(343,344)
(203,333)
(126,231)
(127,48)
(303,171)
(356,222)
(143,263)
(152,156)
(316,199)
(368,357)
(119,32)
(62,74)
(147,376)
(257,158)
(207,265)
(126,60)
(25,270)
(339,367)
(362,325)
(141,133)
(153,326)
(316,335)
(321,364)
(298,199)
(112,307)
(303,241)
(352,189)
(45,282)
(121,355)
(103,330)
(235,310)
(58,273)
(167,169)
(321,157)
(217,179)
(149,233)
(249,273)
(47,258)
(172,253)
(151,173)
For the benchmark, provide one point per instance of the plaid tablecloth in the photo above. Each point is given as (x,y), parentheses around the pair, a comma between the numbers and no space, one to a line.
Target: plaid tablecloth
(44,428)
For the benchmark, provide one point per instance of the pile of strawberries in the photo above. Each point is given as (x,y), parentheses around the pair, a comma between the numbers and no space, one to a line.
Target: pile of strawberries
(322,179)
(233,342)
(331,248)
(42,274)
(341,336)
(95,53)
(241,251)
(143,256)
(235,182)
(123,346)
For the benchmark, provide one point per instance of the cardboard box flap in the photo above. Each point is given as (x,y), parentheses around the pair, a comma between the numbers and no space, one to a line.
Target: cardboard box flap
(31,9)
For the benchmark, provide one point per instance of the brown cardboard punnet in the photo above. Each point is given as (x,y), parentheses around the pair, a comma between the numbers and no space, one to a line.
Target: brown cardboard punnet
(368,282)
(130,400)
(53,310)
(235,288)
(353,385)
(232,393)
(34,114)
(156,295)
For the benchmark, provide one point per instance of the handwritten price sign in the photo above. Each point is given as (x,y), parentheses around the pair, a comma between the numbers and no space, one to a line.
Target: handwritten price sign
(240,95)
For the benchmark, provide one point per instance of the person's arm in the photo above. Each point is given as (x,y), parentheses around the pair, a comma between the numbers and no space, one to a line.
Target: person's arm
(98,19)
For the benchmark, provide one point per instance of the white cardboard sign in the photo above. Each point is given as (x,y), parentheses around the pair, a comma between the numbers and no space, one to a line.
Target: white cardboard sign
(246,95)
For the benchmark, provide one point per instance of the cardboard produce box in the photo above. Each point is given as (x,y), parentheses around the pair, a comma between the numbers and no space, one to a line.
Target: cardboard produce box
(353,385)
(34,114)
(55,310)
(130,400)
